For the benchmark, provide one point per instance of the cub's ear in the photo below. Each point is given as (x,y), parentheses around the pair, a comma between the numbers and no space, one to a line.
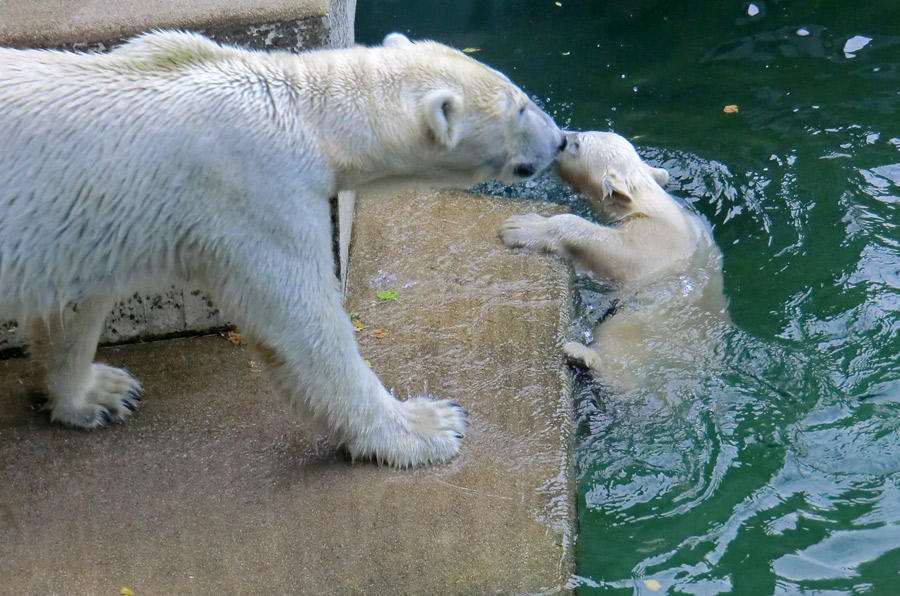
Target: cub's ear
(660,175)
(442,110)
(396,40)
(614,186)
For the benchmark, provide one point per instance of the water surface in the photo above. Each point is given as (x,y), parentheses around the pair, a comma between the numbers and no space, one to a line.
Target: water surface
(774,467)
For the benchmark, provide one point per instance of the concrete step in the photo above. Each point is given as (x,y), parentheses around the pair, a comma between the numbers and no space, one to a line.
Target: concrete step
(51,23)
(212,489)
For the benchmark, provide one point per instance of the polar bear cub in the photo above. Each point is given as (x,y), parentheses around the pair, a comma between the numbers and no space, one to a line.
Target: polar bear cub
(660,254)
(175,157)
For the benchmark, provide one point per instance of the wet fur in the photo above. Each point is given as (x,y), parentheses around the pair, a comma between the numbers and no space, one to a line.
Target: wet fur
(175,157)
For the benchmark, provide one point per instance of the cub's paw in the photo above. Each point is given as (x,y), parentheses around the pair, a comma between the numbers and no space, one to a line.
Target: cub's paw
(528,231)
(112,396)
(582,355)
(427,432)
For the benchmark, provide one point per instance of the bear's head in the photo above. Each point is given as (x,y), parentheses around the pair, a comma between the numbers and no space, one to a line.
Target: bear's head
(607,170)
(471,122)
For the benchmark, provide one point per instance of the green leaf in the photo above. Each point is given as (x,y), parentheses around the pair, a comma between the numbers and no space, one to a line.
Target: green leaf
(387,295)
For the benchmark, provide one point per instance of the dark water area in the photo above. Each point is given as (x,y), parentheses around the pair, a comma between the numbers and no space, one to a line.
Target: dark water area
(772,464)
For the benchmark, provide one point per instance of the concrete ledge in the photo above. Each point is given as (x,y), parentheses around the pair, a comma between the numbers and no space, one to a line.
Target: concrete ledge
(211,488)
(51,23)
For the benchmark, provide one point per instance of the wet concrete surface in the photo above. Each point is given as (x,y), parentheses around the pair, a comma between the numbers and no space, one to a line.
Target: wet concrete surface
(212,487)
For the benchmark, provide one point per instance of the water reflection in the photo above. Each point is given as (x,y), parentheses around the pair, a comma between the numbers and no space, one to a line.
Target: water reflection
(772,467)
(819,474)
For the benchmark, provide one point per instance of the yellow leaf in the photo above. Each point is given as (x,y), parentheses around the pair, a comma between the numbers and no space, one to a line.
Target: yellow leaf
(234,338)
(358,324)
(558,3)
(652,584)
(565,53)
(367,363)
(471,50)
(125,591)
(732,109)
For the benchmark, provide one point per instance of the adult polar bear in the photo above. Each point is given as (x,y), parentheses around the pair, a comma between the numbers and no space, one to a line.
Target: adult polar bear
(174,156)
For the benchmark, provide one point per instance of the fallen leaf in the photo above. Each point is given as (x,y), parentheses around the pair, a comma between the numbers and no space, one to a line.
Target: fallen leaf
(732,109)
(565,53)
(367,363)
(387,295)
(558,3)
(379,334)
(125,591)
(234,338)
(652,584)
(471,50)
(357,323)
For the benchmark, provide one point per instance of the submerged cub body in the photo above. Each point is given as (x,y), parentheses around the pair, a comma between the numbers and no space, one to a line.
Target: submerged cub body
(660,255)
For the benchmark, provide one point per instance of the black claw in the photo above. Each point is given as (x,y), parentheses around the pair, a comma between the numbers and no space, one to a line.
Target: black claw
(136,394)
(129,405)
(460,408)
(458,435)
(107,417)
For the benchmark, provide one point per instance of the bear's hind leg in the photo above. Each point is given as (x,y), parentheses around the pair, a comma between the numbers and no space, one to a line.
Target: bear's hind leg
(81,394)
(582,355)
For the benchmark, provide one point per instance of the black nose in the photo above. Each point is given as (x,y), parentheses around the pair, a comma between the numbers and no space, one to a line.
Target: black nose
(562,146)
(524,170)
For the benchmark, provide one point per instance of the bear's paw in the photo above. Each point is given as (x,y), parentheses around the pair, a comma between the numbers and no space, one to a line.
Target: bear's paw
(112,396)
(429,432)
(582,355)
(531,231)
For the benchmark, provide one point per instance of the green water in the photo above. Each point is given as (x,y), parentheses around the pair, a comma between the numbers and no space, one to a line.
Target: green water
(773,468)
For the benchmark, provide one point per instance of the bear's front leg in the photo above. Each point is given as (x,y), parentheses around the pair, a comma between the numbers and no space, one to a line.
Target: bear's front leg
(600,249)
(80,393)
(286,299)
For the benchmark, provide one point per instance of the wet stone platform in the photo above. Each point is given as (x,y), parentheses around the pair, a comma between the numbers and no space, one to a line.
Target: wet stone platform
(212,488)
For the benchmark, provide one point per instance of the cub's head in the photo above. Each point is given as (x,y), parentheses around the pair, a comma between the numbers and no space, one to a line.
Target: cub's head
(605,168)
(475,124)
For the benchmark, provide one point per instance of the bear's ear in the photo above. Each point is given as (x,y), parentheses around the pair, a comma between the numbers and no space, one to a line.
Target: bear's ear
(660,175)
(614,186)
(443,109)
(573,143)
(395,40)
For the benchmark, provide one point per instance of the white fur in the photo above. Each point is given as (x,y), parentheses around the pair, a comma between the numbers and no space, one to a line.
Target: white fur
(173,156)
(662,255)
